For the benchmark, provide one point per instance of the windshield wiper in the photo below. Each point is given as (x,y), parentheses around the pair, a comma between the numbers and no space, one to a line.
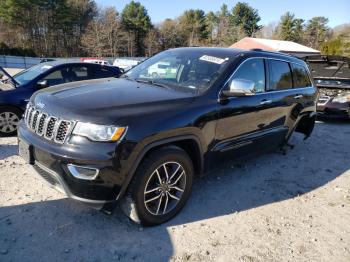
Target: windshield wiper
(152,82)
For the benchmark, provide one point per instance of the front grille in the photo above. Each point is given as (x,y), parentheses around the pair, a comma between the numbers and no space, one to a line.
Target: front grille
(47,126)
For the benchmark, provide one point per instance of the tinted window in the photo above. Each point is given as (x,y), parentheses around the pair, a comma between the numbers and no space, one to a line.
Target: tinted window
(79,73)
(280,75)
(54,78)
(68,74)
(253,70)
(300,76)
(101,72)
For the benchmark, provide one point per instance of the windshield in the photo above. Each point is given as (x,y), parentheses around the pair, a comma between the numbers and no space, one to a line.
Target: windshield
(194,70)
(28,75)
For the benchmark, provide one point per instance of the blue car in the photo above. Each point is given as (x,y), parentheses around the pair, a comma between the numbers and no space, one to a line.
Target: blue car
(16,90)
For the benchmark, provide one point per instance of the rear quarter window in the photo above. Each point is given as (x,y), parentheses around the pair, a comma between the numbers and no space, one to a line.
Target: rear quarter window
(280,76)
(300,76)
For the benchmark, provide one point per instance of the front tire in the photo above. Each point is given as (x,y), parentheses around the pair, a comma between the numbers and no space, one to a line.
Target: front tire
(160,188)
(9,120)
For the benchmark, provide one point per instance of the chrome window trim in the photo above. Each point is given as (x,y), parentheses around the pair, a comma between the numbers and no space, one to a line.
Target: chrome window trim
(272,91)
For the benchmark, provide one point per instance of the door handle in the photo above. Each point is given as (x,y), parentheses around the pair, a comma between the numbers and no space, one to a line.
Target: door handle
(265,102)
(298,96)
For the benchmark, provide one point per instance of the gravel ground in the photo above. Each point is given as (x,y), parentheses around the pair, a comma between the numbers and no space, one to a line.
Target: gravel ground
(270,208)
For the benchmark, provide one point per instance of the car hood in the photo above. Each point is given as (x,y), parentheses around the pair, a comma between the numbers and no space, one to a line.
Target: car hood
(332,67)
(107,100)
(6,87)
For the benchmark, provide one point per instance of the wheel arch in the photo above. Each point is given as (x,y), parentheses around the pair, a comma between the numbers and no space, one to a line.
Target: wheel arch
(189,143)
(306,124)
(11,106)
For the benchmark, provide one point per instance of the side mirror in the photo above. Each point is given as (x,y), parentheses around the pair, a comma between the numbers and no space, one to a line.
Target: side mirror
(240,87)
(42,84)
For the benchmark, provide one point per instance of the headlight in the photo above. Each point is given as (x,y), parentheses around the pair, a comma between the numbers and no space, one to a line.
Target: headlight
(99,133)
(341,99)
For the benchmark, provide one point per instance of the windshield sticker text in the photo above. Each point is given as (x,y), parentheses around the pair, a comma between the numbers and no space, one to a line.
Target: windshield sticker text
(213,59)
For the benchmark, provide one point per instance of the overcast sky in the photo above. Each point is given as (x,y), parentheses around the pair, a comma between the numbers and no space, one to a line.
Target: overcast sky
(338,11)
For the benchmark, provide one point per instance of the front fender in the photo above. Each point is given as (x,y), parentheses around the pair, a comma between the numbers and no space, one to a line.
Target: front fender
(145,146)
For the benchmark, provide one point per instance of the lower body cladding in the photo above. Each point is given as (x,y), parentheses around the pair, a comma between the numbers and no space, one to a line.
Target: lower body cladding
(93,182)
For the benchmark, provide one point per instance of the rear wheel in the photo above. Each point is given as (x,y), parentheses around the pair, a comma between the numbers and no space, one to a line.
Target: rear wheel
(9,120)
(160,188)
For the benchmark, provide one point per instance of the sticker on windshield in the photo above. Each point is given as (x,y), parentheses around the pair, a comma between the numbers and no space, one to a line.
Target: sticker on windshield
(213,59)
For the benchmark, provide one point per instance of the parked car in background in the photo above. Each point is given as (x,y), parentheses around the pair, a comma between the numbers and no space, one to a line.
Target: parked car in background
(44,60)
(332,77)
(162,70)
(127,63)
(16,90)
(142,140)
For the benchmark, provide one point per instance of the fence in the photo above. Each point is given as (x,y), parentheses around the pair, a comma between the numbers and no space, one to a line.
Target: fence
(18,61)
(22,62)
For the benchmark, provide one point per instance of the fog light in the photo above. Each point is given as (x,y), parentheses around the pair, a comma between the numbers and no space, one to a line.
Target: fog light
(82,172)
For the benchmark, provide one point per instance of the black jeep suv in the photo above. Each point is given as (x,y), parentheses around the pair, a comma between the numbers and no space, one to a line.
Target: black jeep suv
(142,138)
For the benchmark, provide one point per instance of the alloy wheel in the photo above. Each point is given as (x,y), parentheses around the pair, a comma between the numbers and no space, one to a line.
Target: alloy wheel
(164,188)
(8,122)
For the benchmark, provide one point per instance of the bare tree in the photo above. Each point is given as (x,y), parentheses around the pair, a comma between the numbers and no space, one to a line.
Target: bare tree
(104,35)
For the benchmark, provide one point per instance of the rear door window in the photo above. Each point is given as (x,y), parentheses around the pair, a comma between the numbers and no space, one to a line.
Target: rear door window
(300,76)
(280,76)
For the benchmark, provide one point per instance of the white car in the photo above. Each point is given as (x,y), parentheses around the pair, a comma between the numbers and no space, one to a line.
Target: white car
(162,70)
(126,64)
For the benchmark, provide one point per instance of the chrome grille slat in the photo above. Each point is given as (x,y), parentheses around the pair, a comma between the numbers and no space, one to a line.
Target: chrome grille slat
(50,128)
(41,123)
(47,126)
(63,128)
(30,116)
(34,119)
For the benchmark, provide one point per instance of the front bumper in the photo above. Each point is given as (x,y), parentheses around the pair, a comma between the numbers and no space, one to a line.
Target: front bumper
(58,183)
(50,160)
